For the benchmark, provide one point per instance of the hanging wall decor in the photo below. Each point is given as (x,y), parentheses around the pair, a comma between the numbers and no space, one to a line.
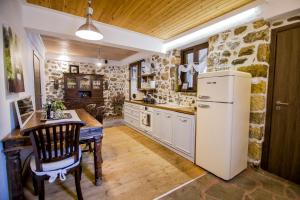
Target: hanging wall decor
(12,56)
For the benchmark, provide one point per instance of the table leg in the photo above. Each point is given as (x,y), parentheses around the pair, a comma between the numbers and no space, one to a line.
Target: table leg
(14,172)
(98,160)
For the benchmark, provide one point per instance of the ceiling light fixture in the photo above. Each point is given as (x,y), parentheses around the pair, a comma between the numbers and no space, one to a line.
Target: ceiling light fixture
(236,20)
(89,31)
(99,63)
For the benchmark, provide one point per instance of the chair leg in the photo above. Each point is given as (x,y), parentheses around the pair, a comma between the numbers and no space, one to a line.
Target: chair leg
(77,183)
(35,184)
(80,172)
(90,147)
(41,187)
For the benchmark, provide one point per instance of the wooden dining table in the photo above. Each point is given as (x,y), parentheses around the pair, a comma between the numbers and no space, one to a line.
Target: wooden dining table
(17,141)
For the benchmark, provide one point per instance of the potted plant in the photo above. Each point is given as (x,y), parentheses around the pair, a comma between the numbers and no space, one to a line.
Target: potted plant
(54,109)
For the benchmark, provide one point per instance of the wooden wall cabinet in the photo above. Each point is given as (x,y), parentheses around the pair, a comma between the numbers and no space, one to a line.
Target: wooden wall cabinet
(83,89)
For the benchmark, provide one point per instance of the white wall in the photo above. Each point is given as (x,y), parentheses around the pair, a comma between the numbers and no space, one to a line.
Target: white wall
(11,14)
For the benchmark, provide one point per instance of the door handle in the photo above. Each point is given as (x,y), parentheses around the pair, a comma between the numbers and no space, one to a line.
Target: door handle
(203,106)
(203,97)
(279,103)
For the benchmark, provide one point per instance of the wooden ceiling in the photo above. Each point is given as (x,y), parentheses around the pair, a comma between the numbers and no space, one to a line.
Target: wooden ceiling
(159,18)
(76,48)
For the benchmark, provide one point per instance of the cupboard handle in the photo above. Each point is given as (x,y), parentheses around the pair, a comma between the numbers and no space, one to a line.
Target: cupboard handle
(184,120)
(203,97)
(211,82)
(203,106)
(168,116)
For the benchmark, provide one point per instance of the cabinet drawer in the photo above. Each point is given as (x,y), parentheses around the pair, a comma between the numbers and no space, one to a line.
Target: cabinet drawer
(133,122)
(132,113)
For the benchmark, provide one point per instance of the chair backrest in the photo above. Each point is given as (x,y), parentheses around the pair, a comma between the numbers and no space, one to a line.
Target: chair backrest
(55,142)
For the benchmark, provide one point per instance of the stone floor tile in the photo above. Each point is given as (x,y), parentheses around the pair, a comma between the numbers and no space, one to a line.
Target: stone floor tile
(260,194)
(208,197)
(244,182)
(273,186)
(220,191)
(295,188)
(281,198)
(249,185)
(290,193)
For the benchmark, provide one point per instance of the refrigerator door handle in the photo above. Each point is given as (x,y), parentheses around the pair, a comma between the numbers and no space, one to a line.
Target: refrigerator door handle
(203,97)
(203,106)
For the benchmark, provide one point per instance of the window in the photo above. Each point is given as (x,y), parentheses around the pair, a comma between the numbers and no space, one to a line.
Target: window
(188,76)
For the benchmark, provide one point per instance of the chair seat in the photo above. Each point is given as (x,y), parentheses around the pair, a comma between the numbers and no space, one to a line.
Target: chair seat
(52,166)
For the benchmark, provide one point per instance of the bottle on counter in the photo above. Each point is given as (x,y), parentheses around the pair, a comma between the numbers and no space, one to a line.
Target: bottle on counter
(49,109)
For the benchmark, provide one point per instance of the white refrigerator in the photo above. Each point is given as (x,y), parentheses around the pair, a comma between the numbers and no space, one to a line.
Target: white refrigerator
(223,111)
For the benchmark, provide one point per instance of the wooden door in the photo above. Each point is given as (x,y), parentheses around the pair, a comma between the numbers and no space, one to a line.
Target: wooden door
(37,81)
(281,153)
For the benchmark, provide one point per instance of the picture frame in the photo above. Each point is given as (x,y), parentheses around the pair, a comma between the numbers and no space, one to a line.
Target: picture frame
(13,63)
(24,109)
(74,69)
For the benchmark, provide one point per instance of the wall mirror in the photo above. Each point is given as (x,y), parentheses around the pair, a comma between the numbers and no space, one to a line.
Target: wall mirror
(193,62)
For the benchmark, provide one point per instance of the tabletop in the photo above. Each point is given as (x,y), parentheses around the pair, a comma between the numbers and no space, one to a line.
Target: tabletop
(91,125)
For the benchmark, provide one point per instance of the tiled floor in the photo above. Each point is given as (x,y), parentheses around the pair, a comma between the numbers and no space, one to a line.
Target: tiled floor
(249,185)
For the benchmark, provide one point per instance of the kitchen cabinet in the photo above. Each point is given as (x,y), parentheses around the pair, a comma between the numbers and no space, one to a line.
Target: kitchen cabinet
(165,124)
(174,130)
(156,131)
(132,115)
(183,134)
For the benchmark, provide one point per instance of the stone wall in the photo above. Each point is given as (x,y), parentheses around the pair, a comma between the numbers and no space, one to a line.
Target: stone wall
(246,48)
(283,22)
(165,70)
(114,75)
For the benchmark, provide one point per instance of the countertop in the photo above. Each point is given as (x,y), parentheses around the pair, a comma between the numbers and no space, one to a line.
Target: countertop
(185,110)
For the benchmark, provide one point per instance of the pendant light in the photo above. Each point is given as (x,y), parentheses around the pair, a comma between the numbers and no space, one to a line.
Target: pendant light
(89,31)
(99,63)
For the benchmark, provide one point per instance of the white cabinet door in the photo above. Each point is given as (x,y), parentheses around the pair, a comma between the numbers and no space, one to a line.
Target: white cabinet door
(157,115)
(183,134)
(166,128)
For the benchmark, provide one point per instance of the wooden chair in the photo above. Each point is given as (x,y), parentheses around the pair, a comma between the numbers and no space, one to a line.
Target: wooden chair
(56,152)
(98,113)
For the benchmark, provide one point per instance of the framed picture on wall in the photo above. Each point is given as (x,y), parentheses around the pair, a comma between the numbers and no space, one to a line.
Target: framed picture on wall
(13,63)
(74,69)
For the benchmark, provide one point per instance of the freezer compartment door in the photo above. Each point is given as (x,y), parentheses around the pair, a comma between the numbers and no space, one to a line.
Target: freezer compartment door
(213,139)
(217,89)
